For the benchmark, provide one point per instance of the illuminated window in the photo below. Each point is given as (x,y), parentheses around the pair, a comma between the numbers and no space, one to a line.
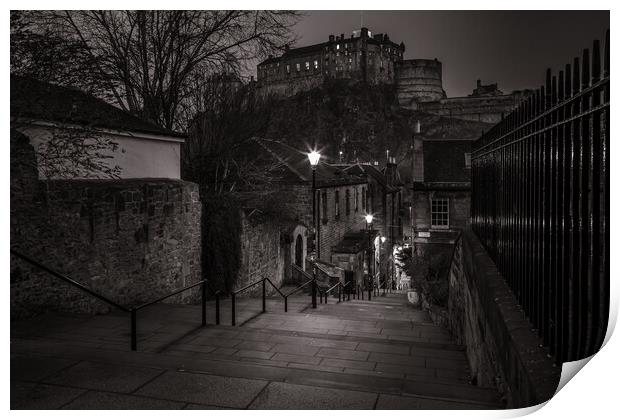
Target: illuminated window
(316,64)
(307,65)
(337,46)
(440,213)
(298,67)
(288,68)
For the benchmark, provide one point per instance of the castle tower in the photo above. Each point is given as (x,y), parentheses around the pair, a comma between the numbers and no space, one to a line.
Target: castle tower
(419,81)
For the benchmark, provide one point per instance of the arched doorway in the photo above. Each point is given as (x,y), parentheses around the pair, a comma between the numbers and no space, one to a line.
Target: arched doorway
(299,251)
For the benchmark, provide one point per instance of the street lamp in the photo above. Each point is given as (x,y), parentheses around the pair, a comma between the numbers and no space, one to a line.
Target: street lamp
(314,157)
(369,218)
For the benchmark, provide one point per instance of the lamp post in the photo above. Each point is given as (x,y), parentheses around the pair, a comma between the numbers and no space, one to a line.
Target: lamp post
(369,218)
(314,157)
(383,238)
(416,130)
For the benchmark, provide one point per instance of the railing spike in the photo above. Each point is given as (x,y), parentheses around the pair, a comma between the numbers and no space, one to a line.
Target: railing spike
(606,64)
(585,73)
(596,61)
(567,82)
(576,84)
(561,86)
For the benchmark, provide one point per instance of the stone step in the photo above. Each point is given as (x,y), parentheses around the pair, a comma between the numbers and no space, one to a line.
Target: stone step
(83,368)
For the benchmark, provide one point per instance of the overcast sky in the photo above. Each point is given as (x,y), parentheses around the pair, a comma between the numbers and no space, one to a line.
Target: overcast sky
(512,48)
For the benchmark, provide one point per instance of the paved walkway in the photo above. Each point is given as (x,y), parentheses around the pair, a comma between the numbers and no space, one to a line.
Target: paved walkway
(351,355)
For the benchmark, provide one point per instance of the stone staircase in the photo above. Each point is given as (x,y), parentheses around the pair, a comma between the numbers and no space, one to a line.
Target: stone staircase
(381,354)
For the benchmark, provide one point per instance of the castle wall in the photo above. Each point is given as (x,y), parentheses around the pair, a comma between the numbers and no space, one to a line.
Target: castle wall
(419,80)
(488,109)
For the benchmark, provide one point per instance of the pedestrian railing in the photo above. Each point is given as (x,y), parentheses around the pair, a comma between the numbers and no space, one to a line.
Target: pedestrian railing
(540,204)
(133,311)
(263,282)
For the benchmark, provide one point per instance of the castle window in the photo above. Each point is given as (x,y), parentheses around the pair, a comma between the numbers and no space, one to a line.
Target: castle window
(346,46)
(337,204)
(288,68)
(307,65)
(337,46)
(298,67)
(316,64)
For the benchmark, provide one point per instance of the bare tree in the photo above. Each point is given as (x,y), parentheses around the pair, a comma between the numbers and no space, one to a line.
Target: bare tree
(220,153)
(148,59)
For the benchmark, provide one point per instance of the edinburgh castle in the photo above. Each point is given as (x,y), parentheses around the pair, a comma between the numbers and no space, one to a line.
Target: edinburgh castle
(375,59)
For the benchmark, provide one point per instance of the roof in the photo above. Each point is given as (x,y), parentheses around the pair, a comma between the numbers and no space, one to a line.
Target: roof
(294,166)
(37,100)
(364,169)
(353,242)
(444,161)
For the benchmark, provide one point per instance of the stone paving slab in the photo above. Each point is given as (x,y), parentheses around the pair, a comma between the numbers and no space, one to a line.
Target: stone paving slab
(96,400)
(204,389)
(35,396)
(33,368)
(282,396)
(104,377)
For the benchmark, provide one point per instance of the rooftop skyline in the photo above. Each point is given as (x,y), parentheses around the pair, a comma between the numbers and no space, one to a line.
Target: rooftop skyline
(511,48)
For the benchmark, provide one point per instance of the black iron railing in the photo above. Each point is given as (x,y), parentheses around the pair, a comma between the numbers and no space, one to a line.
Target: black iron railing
(540,204)
(263,282)
(133,311)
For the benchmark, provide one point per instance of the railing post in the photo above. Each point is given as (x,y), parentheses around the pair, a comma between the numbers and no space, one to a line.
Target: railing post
(264,296)
(134,333)
(217,308)
(314,290)
(285,303)
(339,294)
(232,302)
(204,303)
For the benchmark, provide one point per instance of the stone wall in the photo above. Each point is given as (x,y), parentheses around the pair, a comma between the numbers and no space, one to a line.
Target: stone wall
(332,228)
(488,109)
(131,240)
(485,317)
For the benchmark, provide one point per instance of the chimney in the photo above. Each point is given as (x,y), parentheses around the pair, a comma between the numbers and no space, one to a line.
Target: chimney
(331,38)
(342,37)
(478,82)
(364,33)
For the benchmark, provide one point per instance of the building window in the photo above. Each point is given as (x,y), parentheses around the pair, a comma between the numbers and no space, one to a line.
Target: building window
(467,160)
(337,204)
(440,213)
(356,198)
(307,65)
(324,206)
(364,199)
(288,69)
(347,202)
(298,67)
(337,46)
(316,64)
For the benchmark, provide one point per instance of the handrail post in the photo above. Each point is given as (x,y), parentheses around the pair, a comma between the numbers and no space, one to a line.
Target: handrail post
(217,308)
(264,309)
(232,302)
(339,294)
(285,303)
(134,333)
(204,303)
(314,289)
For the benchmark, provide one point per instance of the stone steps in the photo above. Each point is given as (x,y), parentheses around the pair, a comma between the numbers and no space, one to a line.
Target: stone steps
(353,354)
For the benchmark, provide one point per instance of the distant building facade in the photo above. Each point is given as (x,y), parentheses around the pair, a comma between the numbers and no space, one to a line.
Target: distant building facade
(375,59)
(362,57)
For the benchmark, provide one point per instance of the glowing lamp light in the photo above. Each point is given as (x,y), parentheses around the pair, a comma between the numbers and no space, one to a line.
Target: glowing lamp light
(368,218)
(314,157)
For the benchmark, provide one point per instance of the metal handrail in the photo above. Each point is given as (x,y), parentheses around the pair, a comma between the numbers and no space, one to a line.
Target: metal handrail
(69,280)
(134,310)
(233,296)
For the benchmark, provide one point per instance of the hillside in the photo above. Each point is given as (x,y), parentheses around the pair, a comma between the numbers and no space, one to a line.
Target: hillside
(362,121)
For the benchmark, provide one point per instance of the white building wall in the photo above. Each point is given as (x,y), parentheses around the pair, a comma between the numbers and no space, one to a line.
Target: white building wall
(138,155)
